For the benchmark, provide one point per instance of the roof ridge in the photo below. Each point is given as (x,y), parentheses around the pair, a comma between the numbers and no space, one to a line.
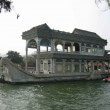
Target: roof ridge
(84,30)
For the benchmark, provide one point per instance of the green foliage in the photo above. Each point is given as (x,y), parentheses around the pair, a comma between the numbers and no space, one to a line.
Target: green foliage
(6,5)
(15,57)
(103,4)
(31,61)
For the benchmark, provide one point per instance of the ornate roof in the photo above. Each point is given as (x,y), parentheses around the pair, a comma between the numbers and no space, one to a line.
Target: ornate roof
(78,35)
(85,33)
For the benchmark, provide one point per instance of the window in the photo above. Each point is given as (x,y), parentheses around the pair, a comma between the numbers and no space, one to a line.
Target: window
(59,68)
(95,67)
(88,50)
(41,62)
(76,67)
(49,61)
(68,67)
(82,49)
(82,67)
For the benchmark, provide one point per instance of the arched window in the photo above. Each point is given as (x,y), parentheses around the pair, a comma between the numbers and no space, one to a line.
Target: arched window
(45,45)
(32,44)
(59,45)
(45,42)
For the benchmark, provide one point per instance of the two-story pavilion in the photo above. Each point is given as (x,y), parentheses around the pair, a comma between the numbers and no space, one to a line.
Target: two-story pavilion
(77,53)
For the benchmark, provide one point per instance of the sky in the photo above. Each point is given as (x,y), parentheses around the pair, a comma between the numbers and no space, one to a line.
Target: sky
(64,15)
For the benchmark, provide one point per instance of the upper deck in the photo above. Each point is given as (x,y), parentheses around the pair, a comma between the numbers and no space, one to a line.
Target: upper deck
(79,42)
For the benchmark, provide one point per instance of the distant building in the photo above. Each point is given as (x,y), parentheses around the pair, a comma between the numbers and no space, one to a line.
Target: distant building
(77,53)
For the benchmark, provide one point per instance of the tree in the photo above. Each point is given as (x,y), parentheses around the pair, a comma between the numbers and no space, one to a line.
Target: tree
(31,61)
(103,4)
(6,5)
(15,57)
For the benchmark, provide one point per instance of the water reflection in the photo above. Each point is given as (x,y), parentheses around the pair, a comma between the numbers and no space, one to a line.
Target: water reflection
(77,95)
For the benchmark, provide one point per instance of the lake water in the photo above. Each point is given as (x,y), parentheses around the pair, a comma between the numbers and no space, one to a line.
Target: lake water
(76,95)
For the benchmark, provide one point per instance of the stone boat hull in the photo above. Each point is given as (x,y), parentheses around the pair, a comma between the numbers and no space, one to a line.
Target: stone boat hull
(9,72)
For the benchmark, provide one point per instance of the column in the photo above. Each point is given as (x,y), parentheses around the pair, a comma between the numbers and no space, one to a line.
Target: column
(108,66)
(26,63)
(47,48)
(79,47)
(53,65)
(98,53)
(71,46)
(52,45)
(64,66)
(85,65)
(103,66)
(80,65)
(63,46)
(92,48)
(92,66)
(103,50)
(38,57)
(84,47)
(98,66)
(72,66)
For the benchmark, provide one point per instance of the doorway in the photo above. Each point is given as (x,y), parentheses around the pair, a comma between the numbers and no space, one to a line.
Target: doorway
(45,67)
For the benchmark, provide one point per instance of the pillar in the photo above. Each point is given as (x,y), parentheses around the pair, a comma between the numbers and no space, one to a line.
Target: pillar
(38,57)
(80,65)
(47,48)
(52,45)
(98,53)
(63,46)
(53,65)
(97,65)
(26,63)
(103,50)
(72,66)
(64,66)
(92,66)
(92,48)
(103,66)
(71,47)
(108,66)
(84,47)
(85,65)
(79,47)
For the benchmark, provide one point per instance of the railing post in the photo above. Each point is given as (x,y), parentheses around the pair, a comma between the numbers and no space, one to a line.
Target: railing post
(26,62)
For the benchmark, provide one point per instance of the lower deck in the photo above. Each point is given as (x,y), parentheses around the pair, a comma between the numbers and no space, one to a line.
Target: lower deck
(70,66)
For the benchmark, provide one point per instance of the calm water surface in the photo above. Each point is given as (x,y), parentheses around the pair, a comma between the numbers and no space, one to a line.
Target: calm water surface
(77,95)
